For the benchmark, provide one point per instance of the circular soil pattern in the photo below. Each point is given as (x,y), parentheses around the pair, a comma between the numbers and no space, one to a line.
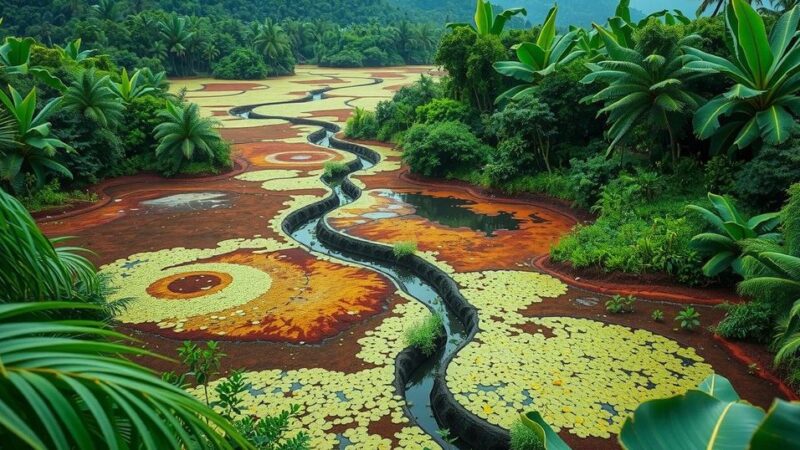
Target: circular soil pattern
(188,285)
(300,157)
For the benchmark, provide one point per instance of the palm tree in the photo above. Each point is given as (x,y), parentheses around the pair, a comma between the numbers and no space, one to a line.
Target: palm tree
(130,88)
(107,10)
(644,89)
(272,43)
(33,148)
(184,133)
(176,36)
(210,53)
(94,98)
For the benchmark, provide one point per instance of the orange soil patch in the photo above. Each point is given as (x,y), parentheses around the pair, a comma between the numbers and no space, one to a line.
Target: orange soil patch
(463,248)
(341,115)
(286,154)
(386,75)
(257,134)
(323,81)
(215,87)
(309,300)
(394,88)
(219,113)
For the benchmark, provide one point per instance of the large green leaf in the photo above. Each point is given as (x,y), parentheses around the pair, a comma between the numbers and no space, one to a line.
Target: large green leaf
(516,70)
(694,420)
(784,31)
(752,38)
(483,16)
(719,387)
(780,428)
(549,438)
(776,124)
(548,32)
(501,19)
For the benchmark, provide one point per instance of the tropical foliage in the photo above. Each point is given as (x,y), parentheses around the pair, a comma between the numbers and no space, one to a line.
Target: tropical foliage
(762,104)
(707,417)
(33,147)
(35,268)
(65,385)
(730,231)
(644,89)
(183,134)
(540,58)
(486,22)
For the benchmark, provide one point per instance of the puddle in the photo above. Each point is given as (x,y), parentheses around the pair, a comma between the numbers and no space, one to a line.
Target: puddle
(192,201)
(454,213)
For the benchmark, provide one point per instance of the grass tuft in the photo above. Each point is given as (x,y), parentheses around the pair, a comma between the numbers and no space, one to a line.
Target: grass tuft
(424,334)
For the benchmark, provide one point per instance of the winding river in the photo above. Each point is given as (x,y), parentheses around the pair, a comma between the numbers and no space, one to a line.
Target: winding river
(417,389)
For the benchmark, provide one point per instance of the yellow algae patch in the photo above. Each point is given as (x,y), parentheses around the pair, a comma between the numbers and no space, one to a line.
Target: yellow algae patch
(348,401)
(582,375)
(266,175)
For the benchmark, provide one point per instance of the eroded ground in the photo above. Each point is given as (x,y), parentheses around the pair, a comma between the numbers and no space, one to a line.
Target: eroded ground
(207,259)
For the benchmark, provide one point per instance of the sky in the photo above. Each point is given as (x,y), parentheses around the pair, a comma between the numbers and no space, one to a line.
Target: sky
(647,6)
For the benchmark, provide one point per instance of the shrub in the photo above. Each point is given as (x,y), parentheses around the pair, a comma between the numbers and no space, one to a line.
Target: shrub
(334,168)
(619,304)
(531,120)
(762,182)
(345,58)
(442,110)
(719,174)
(590,176)
(51,195)
(140,117)
(688,318)
(399,114)
(657,315)
(524,438)
(405,248)
(242,64)
(361,125)
(562,91)
(511,159)
(436,150)
(423,335)
(750,321)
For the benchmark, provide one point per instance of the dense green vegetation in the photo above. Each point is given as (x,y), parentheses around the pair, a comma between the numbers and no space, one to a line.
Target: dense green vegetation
(243,40)
(636,121)
(72,118)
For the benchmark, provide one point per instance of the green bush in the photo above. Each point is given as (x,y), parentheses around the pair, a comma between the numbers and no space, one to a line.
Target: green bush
(436,150)
(242,64)
(619,304)
(361,125)
(510,160)
(524,438)
(590,176)
(749,321)
(334,168)
(562,91)
(397,115)
(763,181)
(51,195)
(720,174)
(530,121)
(442,110)
(688,318)
(140,117)
(405,248)
(346,58)
(423,335)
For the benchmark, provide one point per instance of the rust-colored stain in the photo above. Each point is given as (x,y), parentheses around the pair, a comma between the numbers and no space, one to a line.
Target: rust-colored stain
(189,285)
(217,87)
(390,220)
(260,133)
(286,155)
(323,81)
(308,300)
(341,115)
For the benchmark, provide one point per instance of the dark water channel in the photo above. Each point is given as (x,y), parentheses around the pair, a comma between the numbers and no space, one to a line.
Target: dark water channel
(454,213)
(418,389)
